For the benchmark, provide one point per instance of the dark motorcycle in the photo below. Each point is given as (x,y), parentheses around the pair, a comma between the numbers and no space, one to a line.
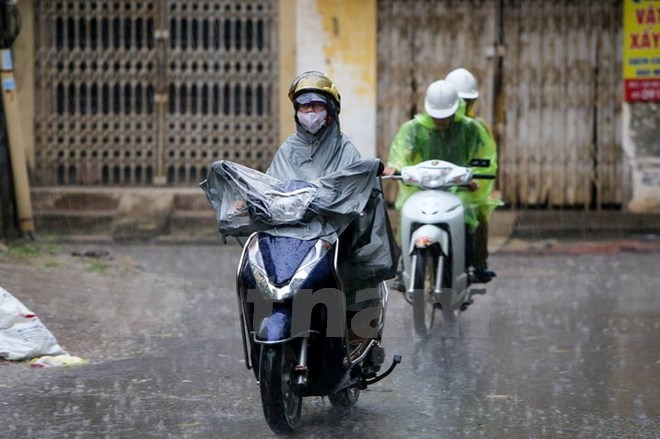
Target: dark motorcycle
(298,336)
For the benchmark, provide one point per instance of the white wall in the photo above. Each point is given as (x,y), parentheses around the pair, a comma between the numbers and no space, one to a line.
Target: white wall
(642,152)
(338,38)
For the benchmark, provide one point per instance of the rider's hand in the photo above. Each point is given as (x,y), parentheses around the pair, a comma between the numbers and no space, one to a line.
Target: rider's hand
(237,207)
(389,170)
(473,186)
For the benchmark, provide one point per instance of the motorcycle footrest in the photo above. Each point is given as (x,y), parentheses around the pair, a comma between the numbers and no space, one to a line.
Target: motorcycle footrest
(474,291)
(395,361)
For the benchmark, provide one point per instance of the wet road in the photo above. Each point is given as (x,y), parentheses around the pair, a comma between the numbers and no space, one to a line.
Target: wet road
(560,346)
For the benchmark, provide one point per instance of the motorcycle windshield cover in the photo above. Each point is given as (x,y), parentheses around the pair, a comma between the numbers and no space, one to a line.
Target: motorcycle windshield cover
(247,201)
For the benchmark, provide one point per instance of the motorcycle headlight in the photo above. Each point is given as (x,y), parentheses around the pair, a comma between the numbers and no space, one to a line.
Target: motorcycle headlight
(256,258)
(461,178)
(434,178)
(303,271)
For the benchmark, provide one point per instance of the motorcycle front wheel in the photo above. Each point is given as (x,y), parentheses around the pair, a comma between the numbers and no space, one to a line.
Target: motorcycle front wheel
(423,301)
(280,401)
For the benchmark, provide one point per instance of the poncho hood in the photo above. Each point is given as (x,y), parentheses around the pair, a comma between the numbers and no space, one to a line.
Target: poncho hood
(307,156)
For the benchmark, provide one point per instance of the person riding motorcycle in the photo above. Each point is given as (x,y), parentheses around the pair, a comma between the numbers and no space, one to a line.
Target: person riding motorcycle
(437,134)
(317,148)
(305,218)
(482,200)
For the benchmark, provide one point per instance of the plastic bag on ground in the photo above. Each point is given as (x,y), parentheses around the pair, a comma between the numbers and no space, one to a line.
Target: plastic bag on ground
(57,361)
(22,333)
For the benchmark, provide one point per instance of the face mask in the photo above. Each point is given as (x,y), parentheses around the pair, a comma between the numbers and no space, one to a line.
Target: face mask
(312,121)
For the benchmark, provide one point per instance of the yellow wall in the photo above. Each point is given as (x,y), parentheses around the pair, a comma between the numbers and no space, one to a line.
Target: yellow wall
(23,52)
(287,64)
(351,30)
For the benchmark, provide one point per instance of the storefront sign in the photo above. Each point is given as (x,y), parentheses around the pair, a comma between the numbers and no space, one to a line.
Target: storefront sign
(641,50)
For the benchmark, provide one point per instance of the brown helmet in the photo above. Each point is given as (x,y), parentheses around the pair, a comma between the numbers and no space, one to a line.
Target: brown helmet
(316,82)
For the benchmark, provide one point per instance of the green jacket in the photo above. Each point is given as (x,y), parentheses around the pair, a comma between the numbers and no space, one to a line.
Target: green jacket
(480,200)
(419,139)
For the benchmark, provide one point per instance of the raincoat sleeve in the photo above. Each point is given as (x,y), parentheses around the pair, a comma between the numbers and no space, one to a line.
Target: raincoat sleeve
(246,200)
(481,200)
(355,194)
(402,150)
(348,190)
(374,252)
(404,153)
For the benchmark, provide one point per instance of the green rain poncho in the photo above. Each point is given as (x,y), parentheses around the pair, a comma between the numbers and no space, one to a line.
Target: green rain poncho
(480,201)
(419,139)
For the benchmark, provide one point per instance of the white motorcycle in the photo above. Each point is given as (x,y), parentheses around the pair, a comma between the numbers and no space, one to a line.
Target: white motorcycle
(433,242)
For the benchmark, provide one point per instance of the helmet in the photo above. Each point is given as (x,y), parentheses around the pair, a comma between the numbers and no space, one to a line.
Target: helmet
(316,82)
(441,100)
(465,83)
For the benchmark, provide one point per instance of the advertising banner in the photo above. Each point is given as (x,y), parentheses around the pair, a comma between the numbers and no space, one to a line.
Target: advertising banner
(641,50)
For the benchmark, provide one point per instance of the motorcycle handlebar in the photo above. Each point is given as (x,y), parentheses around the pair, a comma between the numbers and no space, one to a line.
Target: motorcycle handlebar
(397,176)
(381,168)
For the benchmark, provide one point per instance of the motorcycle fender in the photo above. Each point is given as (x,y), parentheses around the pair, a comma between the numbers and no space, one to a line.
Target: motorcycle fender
(275,327)
(428,235)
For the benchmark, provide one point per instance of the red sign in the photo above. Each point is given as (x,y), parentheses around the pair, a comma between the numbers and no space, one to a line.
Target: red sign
(642,89)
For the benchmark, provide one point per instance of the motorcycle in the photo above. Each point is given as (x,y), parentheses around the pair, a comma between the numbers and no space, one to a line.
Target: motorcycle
(289,265)
(434,242)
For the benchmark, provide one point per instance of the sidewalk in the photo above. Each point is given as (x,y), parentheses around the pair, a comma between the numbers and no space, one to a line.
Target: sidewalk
(603,246)
(566,243)
(184,216)
(573,232)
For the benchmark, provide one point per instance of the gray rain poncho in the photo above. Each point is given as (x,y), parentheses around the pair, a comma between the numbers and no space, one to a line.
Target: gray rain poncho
(246,200)
(322,189)
(306,156)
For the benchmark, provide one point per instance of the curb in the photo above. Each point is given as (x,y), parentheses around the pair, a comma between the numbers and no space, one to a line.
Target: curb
(594,247)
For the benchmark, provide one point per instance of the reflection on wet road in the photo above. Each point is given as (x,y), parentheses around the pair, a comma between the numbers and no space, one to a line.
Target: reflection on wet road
(560,346)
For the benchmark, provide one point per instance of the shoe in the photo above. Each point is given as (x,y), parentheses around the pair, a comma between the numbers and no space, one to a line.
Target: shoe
(483,275)
(398,284)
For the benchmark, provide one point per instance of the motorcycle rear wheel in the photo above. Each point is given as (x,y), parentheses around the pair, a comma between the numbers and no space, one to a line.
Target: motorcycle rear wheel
(279,399)
(423,301)
(345,397)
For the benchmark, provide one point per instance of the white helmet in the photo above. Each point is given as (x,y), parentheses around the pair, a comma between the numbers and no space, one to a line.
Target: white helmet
(465,83)
(441,100)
